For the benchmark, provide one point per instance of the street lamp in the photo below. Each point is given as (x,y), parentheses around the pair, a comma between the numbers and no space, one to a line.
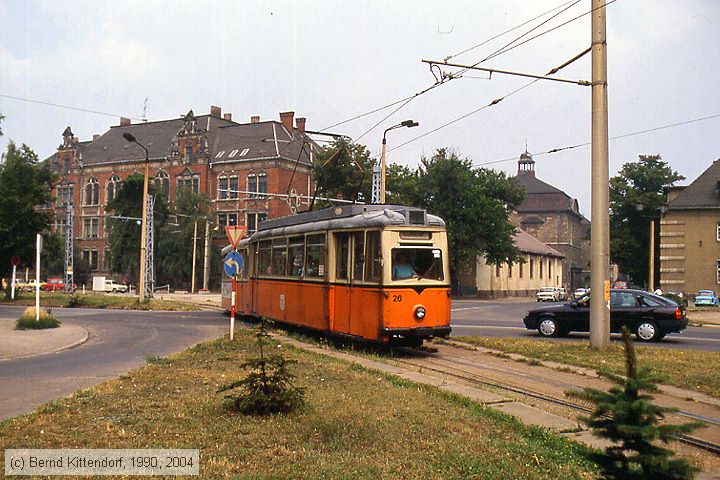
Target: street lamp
(143,232)
(651,270)
(406,123)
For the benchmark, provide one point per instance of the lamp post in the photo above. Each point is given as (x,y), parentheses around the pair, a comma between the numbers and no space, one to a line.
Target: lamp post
(651,270)
(406,123)
(143,234)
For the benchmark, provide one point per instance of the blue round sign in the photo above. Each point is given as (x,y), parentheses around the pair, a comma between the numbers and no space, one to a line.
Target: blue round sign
(233,264)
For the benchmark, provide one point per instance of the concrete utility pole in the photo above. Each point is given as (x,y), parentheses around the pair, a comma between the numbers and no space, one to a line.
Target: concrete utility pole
(194,260)
(206,264)
(651,273)
(600,230)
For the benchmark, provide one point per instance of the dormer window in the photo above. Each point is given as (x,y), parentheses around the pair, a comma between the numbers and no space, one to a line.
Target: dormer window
(233,153)
(188,153)
(244,152)
(220,154)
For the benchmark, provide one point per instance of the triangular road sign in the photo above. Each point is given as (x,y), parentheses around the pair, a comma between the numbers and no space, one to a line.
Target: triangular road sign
(235,233)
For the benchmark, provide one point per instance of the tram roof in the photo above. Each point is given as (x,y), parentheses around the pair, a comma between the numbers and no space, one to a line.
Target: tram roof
(349,216)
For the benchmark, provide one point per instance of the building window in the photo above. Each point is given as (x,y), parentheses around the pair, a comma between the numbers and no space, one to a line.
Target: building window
(113,186)
(549,269)
(541,267)
(717,234)
(257,184)
(65,195)
(227,219)
(532,267)
(520,265)
(497,270)
(61,226)
(188,153)
(162,183)
(190,183)
(92,192)
(252,220)
(228,187)
(91,256)
(509,270)
(717,265)
(91,227)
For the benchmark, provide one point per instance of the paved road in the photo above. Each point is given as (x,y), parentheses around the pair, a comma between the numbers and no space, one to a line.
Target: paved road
(119,341)
(491,318)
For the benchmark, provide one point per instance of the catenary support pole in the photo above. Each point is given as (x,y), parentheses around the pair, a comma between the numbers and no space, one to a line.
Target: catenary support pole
(600,228)
(206,264)
(651,273)
(38,247)
(194,261)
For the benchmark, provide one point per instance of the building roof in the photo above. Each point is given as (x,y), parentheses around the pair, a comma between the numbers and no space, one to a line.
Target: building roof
(704,192)
(543,197)
(526,243)
(227,141)
(268,139)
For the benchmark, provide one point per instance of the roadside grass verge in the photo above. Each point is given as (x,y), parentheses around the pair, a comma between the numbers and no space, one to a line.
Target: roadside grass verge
(95,300)
(681,368)
(357,424)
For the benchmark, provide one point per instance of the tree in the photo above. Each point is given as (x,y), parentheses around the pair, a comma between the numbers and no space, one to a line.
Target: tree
(642,182)
(175,240)
(474,204)
(343,169)
(124,235)
(24,184)
(627,417)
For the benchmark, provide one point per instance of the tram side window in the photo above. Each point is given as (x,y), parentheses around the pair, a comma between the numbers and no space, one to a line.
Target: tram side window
(358,255)
(263,258)
(373,259)
(417,262)
(296,254)
(279,257)
(341,256)
(315,256)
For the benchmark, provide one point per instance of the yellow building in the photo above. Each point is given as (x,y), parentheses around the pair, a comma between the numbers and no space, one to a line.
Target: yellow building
(690,235)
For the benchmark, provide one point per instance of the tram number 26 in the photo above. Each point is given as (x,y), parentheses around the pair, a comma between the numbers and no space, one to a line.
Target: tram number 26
(397,298)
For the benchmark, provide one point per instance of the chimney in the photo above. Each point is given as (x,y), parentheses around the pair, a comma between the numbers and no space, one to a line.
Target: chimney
(124,122)
(255,119)
(228,116)
(215,111)
(96,136)
(300,123)
(287,120)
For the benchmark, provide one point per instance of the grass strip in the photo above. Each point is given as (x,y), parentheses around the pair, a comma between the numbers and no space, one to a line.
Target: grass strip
(681,368)
(357,424)
(94,300)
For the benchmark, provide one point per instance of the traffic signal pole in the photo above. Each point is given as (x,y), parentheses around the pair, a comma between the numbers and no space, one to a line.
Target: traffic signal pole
(600,202)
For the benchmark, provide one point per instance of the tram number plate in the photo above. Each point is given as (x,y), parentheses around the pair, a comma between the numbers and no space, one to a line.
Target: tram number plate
(397,298)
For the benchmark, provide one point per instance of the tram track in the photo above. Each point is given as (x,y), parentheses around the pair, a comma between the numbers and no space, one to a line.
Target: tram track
(457,366)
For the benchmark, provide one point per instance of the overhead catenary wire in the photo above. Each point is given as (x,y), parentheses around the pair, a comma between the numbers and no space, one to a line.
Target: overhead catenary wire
(68,107)
(616,137)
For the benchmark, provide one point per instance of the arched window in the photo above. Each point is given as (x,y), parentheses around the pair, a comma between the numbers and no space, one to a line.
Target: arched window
(113,185)
(162,183)
(92,191)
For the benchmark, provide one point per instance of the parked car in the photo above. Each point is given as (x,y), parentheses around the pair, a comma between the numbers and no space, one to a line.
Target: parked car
(55,284)
(579,292)
(114,287)
(706,298)
(32,284)
(649,316)
(548,294)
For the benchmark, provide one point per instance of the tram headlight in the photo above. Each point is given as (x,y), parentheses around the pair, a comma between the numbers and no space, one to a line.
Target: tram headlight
(420,313)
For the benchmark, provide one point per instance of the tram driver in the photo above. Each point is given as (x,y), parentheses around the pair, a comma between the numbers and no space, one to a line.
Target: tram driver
(401,267)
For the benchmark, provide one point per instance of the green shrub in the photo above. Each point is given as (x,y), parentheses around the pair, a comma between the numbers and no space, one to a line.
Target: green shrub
(28,322)
(268,387)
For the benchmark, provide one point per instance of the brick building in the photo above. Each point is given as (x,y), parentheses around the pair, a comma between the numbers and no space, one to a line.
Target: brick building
(252,171)
(554,218)
(690,235)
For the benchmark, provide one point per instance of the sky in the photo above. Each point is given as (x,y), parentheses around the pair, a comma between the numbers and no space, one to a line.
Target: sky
(330,61)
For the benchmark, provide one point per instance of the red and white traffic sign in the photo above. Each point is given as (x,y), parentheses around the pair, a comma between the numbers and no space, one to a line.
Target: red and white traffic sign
(235,233)
(15,261)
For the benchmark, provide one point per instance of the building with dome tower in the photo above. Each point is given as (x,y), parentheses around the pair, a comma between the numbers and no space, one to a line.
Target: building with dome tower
(553,217)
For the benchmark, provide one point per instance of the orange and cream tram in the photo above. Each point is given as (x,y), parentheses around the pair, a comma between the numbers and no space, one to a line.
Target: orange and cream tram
(373,272)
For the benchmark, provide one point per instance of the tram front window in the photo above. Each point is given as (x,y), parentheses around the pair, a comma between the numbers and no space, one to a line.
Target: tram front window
(420,263)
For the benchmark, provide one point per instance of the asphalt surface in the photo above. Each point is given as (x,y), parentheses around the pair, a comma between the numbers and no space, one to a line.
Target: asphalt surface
(118,342)
(491,318)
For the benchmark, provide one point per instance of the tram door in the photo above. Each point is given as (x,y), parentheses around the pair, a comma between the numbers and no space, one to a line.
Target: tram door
(350,247)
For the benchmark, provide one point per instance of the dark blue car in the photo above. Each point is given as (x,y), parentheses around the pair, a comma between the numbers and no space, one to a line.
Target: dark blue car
(649,316)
